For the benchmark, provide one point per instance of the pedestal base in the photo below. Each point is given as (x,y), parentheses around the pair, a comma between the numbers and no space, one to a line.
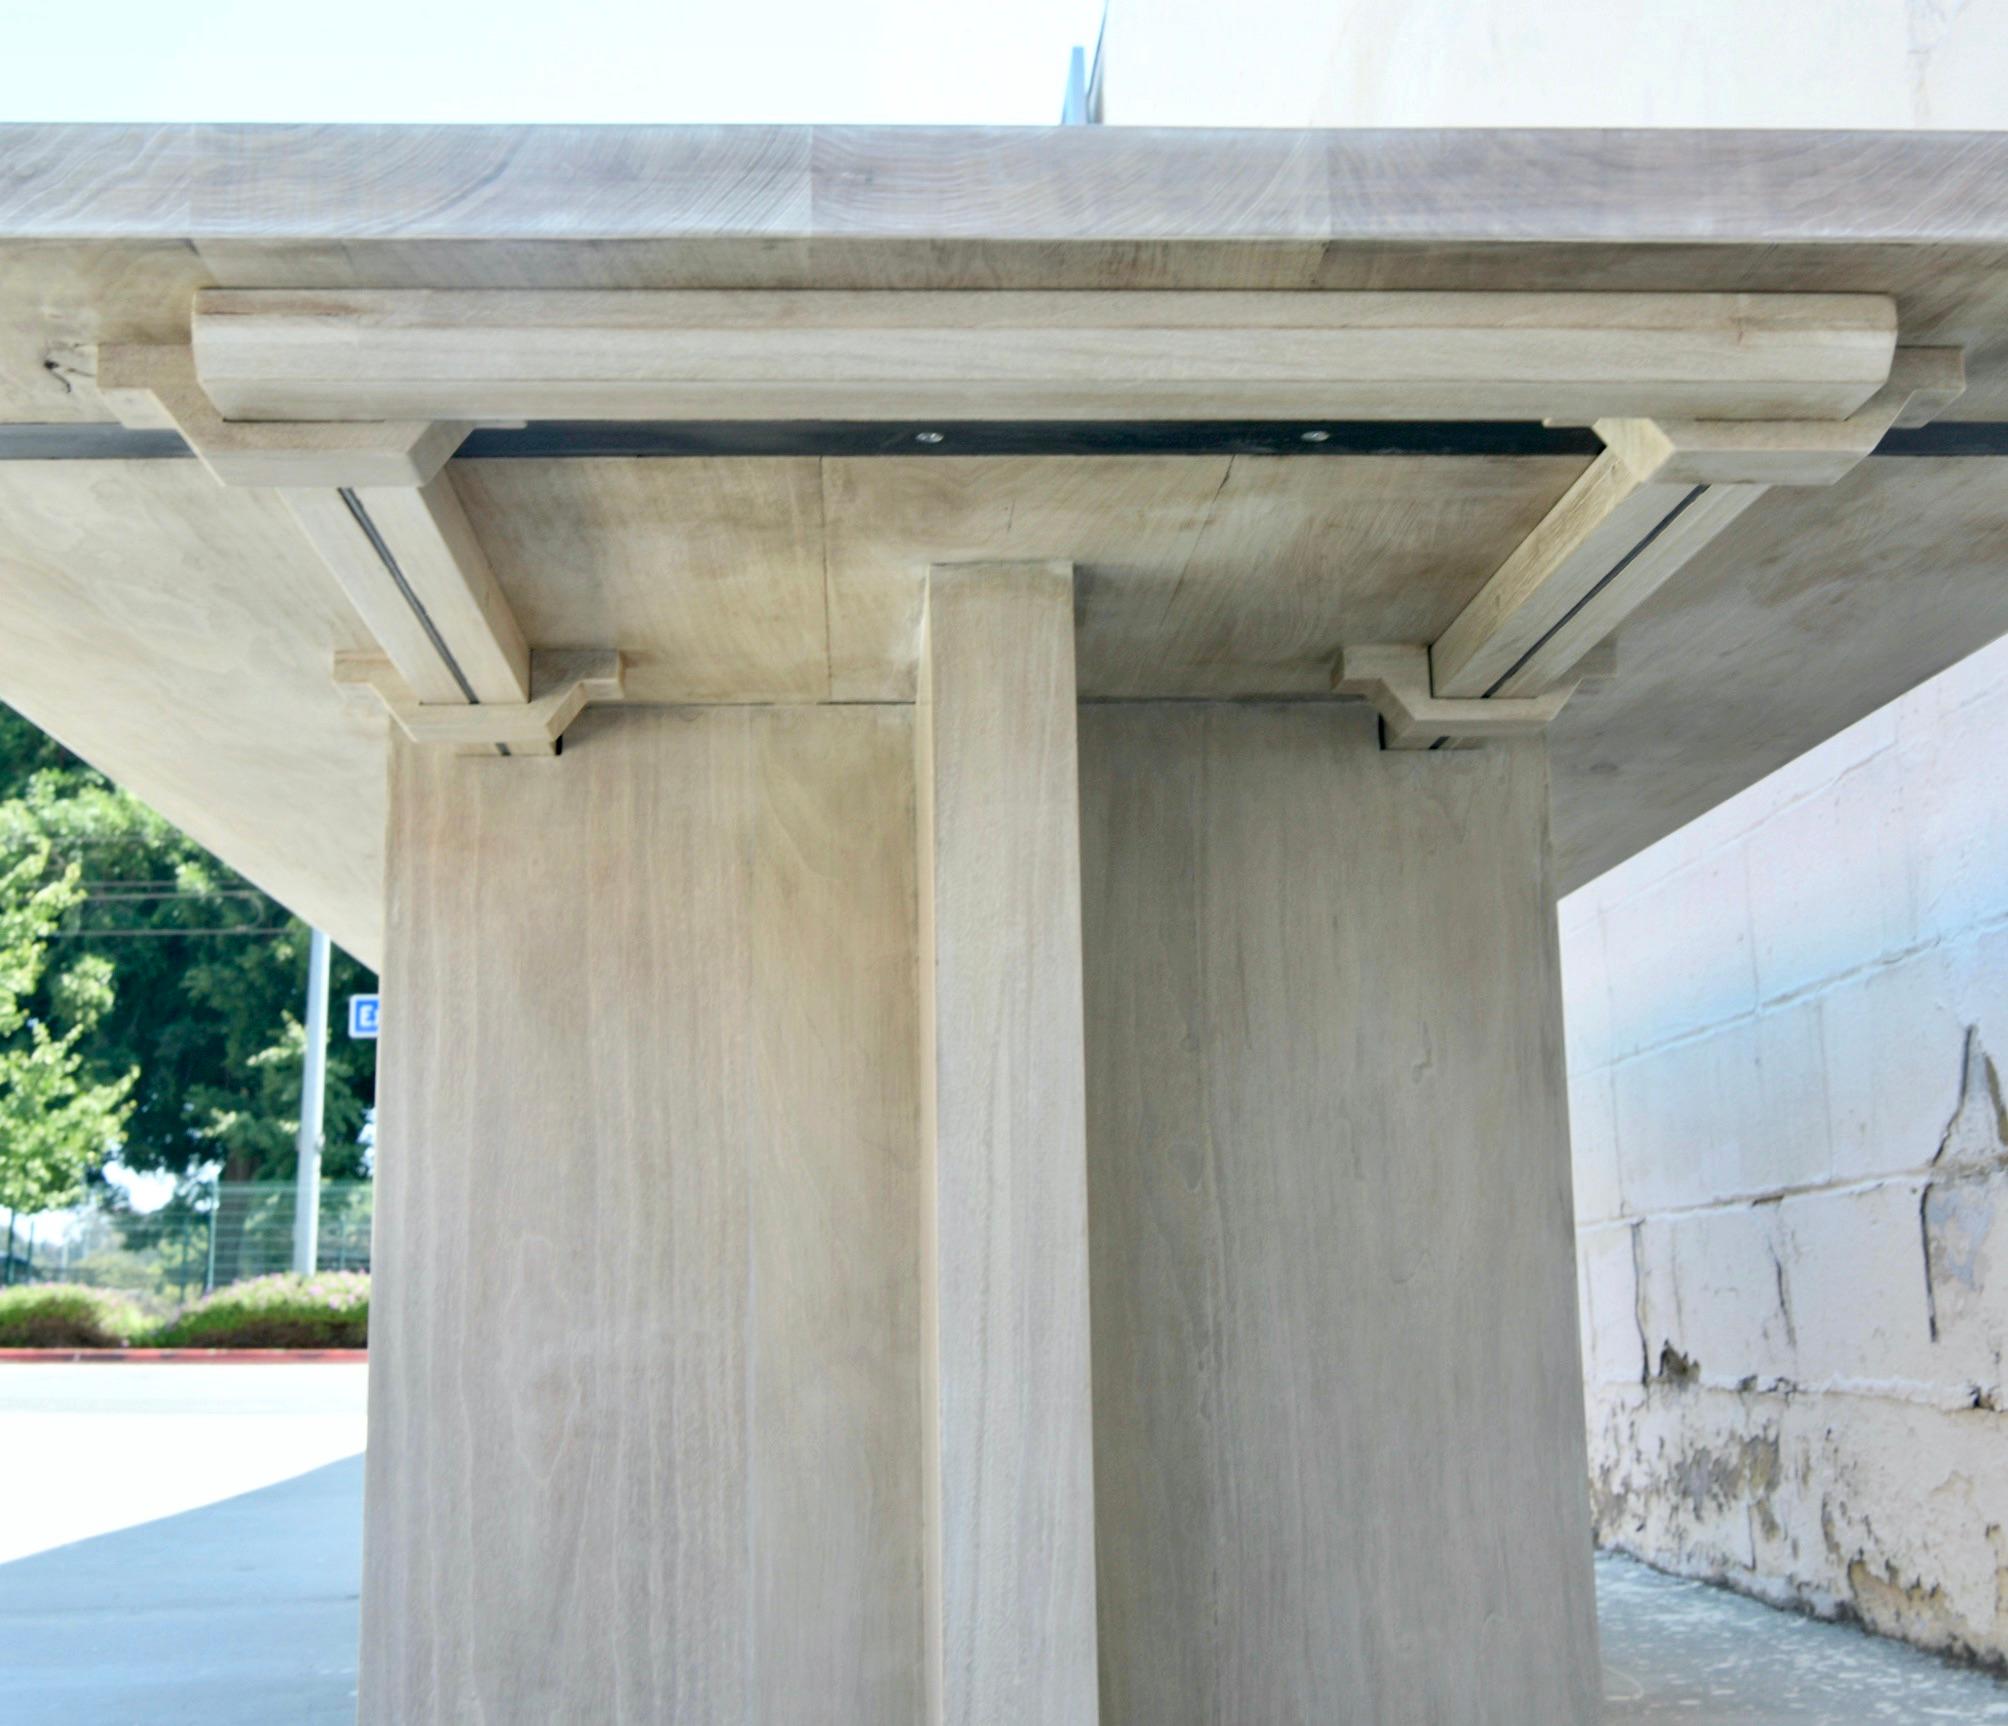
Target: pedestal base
(663,1326)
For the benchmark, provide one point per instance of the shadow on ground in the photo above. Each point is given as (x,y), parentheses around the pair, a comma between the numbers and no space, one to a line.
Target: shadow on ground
(241,1613)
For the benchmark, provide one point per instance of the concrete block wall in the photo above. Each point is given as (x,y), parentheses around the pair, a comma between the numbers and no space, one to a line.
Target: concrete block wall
(1787,1027)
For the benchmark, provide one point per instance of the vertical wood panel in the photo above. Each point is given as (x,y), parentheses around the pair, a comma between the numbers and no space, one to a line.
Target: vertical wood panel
(1010,1593)
(646,1249)
(1339,1447)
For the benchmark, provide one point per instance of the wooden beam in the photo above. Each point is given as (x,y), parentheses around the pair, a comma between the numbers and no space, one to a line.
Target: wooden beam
(1009,1558)
(409,562)
(385,354)
(1660,492)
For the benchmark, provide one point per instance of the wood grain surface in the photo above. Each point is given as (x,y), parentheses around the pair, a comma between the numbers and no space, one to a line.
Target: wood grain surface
(644,1440)
(703,354)
(1338,1425)
(1011,1544)
(178,637)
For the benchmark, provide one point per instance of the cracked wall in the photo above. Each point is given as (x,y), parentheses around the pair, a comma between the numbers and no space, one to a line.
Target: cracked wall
(1787,1027)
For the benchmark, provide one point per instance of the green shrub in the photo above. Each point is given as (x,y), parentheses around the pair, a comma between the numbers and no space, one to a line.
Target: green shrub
(328,1310)
(67,1315)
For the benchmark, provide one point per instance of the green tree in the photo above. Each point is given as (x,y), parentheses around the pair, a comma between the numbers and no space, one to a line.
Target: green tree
(210,973)
(57,1123)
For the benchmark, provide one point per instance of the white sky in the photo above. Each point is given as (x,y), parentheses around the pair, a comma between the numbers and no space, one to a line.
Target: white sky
(949,62)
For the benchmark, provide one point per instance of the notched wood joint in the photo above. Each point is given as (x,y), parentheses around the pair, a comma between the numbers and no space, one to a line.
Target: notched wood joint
(1395,680)
(563,684)
(154,386)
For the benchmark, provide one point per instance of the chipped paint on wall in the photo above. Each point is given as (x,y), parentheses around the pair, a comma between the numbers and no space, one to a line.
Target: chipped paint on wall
(1785,1035)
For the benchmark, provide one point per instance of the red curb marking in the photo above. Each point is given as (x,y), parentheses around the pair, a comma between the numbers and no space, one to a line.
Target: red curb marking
(192,1356)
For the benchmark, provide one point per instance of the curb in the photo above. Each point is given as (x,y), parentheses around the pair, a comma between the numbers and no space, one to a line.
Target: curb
(190,1356)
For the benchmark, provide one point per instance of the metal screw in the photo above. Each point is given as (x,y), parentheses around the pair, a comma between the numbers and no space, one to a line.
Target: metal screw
(1317,437)
(927,437)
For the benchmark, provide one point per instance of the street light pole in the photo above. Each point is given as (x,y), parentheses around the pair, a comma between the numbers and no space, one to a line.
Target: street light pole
(313,1093)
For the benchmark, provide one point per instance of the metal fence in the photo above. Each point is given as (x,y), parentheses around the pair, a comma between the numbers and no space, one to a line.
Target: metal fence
(204,1238)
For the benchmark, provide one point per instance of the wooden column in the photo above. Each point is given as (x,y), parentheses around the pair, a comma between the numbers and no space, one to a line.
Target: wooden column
(1339,1450)
(1009,1577)
(644,1363)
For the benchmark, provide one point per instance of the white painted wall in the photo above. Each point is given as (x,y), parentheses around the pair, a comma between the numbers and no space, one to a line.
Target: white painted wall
(1761,63)
(1785,1026)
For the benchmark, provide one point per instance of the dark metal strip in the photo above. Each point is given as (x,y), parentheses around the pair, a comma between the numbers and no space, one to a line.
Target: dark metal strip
(563,440)
(575,438)
(90,441)
(1948,437)
(570,440)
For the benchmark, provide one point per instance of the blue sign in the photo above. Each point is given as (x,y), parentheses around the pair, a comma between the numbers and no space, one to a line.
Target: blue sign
(363,1010)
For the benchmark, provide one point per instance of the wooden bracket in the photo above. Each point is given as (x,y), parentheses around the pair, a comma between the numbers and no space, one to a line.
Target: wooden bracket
(1396,680)
(1661,491)
(155,386)
(564,683)
(375,500)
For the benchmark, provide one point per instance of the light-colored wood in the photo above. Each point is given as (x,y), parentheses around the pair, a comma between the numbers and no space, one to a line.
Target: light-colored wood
(705,186)
(1010,1577)
(154,386)
(1661,491)
(1602,519)
(1704,513)
(709,575)
(442,563)
(1920,215)
(1196,575)
(328,522)
(1922,383)
(176,635)
(1805,616)
(645,1436)
(971,355)
(439,614)
(1338,1430)
(106,233)
(1928,380)
(60,300)
(1395,680)
(567,682)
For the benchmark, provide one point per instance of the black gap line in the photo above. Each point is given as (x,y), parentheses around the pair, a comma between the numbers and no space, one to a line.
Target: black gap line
(411,599)
(1617,569)
(390,563)
(546,439)
(90,442)
(1947,438)
(1609,576)
(571,440)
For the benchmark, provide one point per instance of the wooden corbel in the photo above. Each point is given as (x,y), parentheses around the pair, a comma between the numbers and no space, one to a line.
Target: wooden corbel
(1660,492)
(564,682)
(375,500)
(1395,679)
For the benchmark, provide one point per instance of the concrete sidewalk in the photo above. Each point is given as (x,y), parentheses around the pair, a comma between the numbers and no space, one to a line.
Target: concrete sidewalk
(239,1614)
(1676,1650)
(207,1607)
(180,1545)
